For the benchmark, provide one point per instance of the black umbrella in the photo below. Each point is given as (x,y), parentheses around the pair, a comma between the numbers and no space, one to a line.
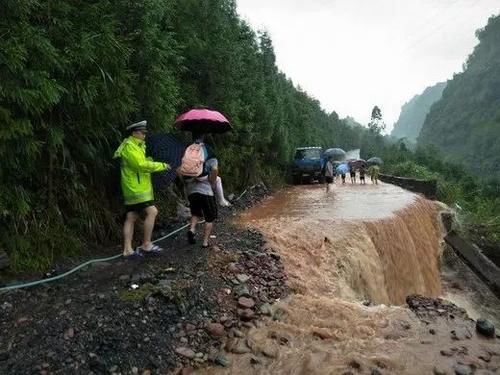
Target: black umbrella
(335,153)
(168,149)
(375,160)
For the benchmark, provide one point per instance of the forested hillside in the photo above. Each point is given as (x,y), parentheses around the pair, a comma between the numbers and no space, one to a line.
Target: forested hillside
(465,123)
(74,74)
(413,112)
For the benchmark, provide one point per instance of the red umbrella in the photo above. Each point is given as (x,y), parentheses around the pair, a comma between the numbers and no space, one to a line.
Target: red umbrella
(203,121)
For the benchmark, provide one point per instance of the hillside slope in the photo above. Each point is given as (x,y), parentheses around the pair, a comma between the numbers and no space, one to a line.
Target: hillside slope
(413,112)
(465,123)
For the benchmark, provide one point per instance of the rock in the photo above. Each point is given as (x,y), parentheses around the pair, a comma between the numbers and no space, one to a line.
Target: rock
(134,370)
(485,357)
(69,334)
(446,353)
(255,360)
(270,351)
(246,303)
(222,360)
(186,371)
(245,314)
(232,267)
(432,331)
(275,255)
(215,329)
(7,305)
(190,327)
(237,346)
(439,371)
(146,372)
(376,371)
(266,309)
(97,365)
(185,352)
(462,370)
(279,315)
(238,333)
(242,290)
(485,328)
(113,368)
(252,344)
(355,364)
(242,278)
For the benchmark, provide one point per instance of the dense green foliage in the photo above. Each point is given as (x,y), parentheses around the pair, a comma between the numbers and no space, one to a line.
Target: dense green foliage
(74,74)
(465,123)
(413,113)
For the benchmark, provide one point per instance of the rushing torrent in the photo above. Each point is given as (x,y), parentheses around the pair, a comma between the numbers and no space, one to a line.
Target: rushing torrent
(352,257)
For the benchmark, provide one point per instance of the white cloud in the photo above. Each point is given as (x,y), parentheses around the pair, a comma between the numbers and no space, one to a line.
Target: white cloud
(353,54)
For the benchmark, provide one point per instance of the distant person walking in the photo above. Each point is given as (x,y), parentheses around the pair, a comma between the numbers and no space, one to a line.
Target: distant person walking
(329,174)
(362,172)
(137,188)
(374,171)
(343,178)
(352,172)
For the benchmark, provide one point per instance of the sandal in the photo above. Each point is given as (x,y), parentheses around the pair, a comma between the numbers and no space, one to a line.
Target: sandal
(155,249)
(136,254)
(190,237)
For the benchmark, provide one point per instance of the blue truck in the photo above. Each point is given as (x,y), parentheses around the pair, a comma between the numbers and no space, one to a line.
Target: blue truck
(307,165)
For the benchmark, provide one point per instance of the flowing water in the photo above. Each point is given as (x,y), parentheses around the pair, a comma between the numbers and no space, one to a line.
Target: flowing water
(356,246)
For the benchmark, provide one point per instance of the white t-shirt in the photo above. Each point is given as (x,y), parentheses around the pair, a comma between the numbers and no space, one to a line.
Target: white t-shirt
(202,185)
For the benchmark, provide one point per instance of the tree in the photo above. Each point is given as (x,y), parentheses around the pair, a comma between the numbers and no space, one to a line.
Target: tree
(376,124)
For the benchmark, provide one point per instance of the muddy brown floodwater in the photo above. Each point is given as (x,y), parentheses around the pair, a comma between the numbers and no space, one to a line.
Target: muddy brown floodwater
(357,246)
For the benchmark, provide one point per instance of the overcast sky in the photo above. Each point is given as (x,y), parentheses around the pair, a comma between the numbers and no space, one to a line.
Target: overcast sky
(354,54)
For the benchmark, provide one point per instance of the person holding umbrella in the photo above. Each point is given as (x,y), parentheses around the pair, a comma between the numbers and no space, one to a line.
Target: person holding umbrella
(200,188)
(329,174)
(137,188)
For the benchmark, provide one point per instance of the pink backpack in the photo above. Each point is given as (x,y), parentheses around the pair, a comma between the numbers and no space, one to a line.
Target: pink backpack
(192,161)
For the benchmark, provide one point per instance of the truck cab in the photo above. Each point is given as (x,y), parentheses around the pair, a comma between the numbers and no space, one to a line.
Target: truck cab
(307,164)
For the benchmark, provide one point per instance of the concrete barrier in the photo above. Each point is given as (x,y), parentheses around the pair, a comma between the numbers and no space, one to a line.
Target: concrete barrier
(479,263)
(426,187)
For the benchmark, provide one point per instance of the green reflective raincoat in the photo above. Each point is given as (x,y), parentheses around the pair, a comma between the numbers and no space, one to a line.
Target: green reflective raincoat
(136,171)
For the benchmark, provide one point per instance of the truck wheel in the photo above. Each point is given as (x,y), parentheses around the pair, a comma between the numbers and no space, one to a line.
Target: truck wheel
(296,180)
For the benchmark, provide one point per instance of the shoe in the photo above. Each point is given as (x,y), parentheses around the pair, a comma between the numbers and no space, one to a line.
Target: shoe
(155,249)
(136,254)
(191,238)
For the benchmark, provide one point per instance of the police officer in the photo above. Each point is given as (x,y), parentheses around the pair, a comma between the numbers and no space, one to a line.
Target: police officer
(137,187)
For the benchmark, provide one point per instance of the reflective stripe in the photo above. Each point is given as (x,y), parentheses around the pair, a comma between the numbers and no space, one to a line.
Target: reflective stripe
(139,197)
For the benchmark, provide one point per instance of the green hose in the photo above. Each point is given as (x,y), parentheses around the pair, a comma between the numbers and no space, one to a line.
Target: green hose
(38,282)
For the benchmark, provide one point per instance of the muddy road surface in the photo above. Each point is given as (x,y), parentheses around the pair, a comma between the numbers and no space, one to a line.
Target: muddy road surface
(355,259)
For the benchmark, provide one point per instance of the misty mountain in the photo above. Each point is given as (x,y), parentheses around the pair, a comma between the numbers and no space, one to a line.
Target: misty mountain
(465,123)
(413,112)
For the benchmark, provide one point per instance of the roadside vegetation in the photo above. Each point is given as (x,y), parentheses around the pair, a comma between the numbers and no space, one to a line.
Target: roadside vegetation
(74,75)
